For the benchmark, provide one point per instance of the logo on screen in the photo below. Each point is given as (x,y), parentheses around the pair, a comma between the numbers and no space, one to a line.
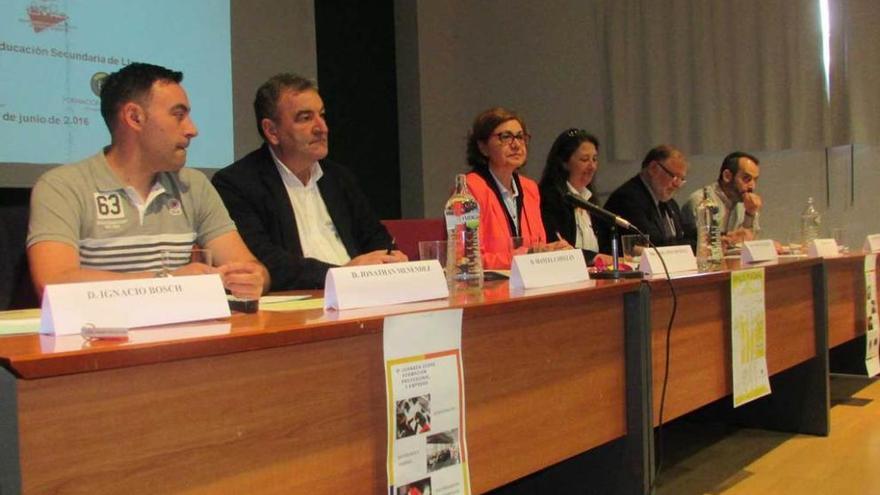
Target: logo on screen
(44,15)
(97,82)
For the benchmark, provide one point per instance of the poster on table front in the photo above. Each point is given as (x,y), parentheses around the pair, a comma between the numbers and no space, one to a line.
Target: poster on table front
(748,327)
(872,321)
(427,451)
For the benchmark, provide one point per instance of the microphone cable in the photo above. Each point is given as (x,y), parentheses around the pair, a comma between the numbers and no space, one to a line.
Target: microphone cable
(667,350)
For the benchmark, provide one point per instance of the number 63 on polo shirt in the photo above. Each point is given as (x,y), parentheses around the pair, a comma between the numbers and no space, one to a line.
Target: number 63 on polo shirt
(108,206)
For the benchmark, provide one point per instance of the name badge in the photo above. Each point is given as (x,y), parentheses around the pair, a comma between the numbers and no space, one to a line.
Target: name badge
(757,251)
(530,271)
(67,308)
(349,287)
(872,243)
(678,259)
(825,248)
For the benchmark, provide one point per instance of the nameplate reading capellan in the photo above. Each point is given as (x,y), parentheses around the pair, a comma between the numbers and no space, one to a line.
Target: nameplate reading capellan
(556,258)
(531,271)
(349,287)
(136,303)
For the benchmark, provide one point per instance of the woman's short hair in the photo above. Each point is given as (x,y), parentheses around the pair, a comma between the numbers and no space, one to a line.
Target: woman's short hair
(484,124)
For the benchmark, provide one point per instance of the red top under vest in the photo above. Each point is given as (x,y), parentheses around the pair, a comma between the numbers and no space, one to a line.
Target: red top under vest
(495,231)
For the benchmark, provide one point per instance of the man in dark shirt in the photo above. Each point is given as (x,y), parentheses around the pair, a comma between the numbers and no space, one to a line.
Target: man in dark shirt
(646,199)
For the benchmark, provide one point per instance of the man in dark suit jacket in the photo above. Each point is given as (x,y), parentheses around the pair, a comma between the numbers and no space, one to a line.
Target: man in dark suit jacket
(646,199)
(299,213)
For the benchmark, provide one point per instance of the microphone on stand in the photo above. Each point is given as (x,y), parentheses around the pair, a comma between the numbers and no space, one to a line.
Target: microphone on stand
(614,221)
(578,202)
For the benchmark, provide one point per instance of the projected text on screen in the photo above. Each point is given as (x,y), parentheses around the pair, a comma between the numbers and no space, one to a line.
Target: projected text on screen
(53,54)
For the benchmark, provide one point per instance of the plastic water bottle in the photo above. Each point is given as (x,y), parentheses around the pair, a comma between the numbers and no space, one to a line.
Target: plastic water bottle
(464,266)
(709,251)
(811,220)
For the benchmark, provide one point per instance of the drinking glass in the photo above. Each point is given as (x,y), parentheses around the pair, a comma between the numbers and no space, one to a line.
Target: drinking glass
(633,245)
(433,250)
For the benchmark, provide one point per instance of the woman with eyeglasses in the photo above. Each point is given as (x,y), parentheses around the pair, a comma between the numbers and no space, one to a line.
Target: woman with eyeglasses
(571,165)
(509,203)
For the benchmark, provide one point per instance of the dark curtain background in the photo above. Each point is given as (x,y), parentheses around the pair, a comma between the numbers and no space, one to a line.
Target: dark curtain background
(357,79)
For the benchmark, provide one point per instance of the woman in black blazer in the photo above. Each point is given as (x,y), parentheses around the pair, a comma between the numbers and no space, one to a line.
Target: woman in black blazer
(571,164)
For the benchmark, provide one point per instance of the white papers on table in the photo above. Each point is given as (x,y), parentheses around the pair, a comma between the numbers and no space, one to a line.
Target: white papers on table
(19,321)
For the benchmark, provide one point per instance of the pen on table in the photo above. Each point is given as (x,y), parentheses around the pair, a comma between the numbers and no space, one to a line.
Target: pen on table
(91,332)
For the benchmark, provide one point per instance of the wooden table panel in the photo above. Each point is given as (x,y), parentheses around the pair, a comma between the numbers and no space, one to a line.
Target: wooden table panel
(558,370)
(791,328)
(846,299)
(273,419)
(295,402)
(700,365)
(700,346)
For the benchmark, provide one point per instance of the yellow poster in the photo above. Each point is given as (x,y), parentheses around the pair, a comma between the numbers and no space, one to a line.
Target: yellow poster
(748,327)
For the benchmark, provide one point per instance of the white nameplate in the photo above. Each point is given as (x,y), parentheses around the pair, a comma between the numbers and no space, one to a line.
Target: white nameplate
(825,248)
(872,243)
(762,250)
(678,259)
(132,303)
(530,271)
(349,287)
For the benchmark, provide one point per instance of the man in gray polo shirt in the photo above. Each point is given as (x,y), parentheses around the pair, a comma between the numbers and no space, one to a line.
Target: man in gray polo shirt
(112,215)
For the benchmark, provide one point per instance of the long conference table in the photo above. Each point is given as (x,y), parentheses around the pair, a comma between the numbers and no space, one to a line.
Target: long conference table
(846,300)
(294,402)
